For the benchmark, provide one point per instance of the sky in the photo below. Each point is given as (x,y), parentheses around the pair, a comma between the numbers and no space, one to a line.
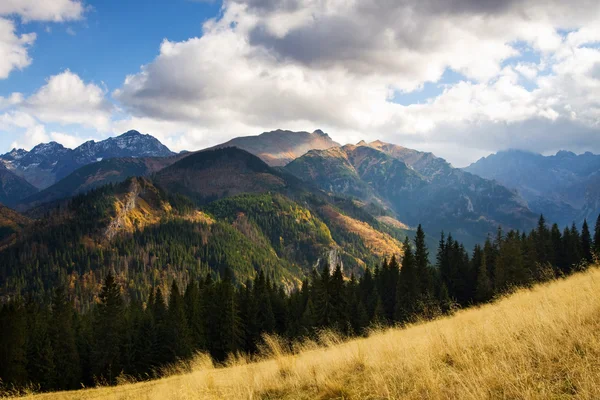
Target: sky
(459,78)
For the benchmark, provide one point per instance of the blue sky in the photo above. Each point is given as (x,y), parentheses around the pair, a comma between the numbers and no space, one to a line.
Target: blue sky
(114,39)
(462,78)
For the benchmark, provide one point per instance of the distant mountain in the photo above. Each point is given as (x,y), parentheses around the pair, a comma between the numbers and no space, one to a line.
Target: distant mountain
(48,163)
(36,166)
(13,188)
(91,176)
(277,148)
(417,187)
(564,187)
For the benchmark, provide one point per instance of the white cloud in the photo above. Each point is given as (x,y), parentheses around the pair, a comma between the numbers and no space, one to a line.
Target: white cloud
(13,48)
(66,99)
(43,10)
(335,65)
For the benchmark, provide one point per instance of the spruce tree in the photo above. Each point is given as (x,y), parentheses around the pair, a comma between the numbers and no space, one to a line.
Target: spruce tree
(193,313)
(586,242)
(422,264)
(597,238)
(339,300)
(180,346)
(484,289)
(408,288)
(322,301)
(40,354)
(13,344)
(108,328)
(62,334)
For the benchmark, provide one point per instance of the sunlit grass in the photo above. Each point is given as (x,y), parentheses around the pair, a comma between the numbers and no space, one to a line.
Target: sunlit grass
(542,343)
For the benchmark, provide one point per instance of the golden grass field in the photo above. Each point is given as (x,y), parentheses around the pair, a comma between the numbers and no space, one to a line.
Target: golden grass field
(542,343)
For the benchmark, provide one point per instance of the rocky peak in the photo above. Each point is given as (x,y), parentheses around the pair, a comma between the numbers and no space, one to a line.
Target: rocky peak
(131,133)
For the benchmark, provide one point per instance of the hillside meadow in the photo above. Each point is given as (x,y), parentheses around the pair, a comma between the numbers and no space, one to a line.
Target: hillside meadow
(538,343)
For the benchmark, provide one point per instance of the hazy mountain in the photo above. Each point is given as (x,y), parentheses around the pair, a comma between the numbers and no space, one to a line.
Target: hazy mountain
(277,148)
(91,176)
(48,163)
(13,188)
(564,187)
(418,187)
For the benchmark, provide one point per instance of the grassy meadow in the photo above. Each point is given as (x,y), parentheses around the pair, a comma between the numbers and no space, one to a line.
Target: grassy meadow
(539,343)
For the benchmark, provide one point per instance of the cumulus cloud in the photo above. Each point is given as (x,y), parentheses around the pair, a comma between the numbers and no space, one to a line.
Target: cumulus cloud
(66,99)
(49,10)
(337,64)
(13,48)
(529,74)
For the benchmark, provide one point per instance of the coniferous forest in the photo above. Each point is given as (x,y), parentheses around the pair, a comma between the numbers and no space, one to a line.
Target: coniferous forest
(54,345)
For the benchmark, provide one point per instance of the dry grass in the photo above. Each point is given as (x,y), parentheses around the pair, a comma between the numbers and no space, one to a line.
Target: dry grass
(542,343)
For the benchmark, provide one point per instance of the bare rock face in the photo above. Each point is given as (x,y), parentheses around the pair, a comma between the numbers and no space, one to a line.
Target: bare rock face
(332,258)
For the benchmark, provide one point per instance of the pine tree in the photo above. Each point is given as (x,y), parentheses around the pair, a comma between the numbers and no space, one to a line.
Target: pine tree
(586,242)
(484,290)
(194,315)
(40,354)
(422,264)
(322,300)
(339,300)
(180,339)
(408,288)
(597,237)
(13,344)
(62,334)
(225,328)
(109,326)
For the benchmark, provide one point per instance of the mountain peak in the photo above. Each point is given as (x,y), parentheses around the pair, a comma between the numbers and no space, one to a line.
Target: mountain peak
(131,133)
(320,133)
(361,143)
(565,153)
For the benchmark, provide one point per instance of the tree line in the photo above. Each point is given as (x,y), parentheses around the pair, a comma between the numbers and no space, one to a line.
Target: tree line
(52,346)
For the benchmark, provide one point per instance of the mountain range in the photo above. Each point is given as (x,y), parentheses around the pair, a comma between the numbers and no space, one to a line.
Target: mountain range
(48,163)
(281,201)
(565,187)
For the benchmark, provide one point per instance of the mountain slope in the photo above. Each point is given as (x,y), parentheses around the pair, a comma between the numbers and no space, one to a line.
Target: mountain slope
(113,170)
(213,174)
(11,223)
(149,237)
(559,186)
(48,163)
(277,148)
(13,188)
(428,190)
